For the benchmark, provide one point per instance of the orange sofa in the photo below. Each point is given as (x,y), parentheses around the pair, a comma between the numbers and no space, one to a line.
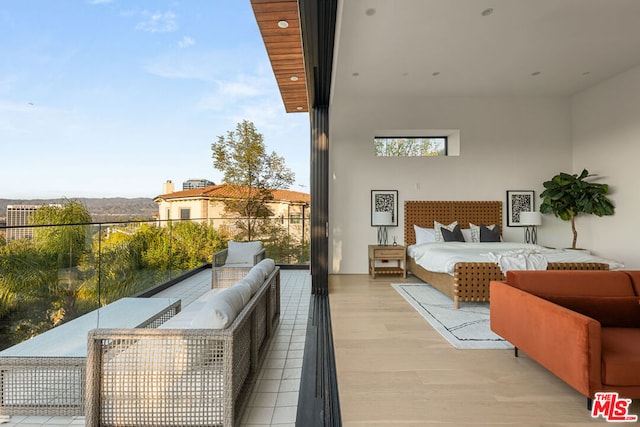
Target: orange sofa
(583,326)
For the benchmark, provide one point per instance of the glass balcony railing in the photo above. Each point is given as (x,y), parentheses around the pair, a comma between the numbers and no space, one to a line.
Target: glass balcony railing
(50,275)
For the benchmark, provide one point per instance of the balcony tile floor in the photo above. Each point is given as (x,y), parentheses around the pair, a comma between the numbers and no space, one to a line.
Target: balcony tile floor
(274,401)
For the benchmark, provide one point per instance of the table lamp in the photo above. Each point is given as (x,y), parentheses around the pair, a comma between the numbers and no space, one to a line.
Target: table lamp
(531,220)
(382,219)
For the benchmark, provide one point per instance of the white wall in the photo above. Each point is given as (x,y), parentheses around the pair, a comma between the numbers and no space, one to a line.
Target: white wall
(606,140)
(506,144)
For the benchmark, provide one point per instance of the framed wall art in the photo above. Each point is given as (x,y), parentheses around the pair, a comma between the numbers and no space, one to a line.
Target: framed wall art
(384,208)
(518,201)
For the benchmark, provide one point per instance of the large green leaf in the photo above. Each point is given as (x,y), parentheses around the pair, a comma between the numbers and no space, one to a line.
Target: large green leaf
(567,195)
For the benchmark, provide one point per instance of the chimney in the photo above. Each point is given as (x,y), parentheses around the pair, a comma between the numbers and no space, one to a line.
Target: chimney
(168,187)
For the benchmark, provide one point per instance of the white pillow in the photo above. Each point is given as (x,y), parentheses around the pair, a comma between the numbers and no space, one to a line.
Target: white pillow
(466,233)
(242,252)
(220,311)
(254,278)
(424,235)
(438,232)
(217,314)
(475,231)
(266,266)
(244,289)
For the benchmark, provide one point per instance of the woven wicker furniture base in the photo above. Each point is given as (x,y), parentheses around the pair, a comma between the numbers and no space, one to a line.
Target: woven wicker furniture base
(470,281)
(224,277)
(49,385)
(180,377)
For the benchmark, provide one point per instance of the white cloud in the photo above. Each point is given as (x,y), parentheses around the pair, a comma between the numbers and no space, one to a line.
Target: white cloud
(233,96)
(8,82)
(211,66)
(187,65)
(100,1)
(240,89)
(186,42)
(158,22)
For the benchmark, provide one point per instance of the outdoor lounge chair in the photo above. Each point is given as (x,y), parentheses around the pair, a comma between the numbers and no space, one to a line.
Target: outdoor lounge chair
(232,264)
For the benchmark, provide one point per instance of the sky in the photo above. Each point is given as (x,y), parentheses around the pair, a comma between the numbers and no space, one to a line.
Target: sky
(111,98)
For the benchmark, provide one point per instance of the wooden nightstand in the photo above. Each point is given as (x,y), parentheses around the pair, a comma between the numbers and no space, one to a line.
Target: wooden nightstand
(389,253)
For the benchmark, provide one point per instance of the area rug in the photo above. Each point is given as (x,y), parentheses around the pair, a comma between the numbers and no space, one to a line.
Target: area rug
(466,328)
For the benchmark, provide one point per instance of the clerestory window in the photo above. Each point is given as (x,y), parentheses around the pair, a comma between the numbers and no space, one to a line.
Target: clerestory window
(402,146)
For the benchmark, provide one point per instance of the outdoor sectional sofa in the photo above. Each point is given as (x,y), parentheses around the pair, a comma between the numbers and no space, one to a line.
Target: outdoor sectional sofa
(583,326)
(196,369)
(231,264)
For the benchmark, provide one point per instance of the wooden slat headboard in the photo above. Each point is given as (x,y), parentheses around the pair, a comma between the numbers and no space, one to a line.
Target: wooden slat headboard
(423,212)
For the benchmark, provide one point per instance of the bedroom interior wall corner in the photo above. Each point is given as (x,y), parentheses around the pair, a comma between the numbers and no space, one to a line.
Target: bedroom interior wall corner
(493,132)
(606,132)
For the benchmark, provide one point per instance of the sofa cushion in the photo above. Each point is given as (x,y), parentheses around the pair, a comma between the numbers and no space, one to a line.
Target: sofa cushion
(634,275)
(245,290)
(266,266)
(242,252)
(572,282)
(622,312)
(620,356)
(221,310)
(254,278)
(183,319)
(218,314)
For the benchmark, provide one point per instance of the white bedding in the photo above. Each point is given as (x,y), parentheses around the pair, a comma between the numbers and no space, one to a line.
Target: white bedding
(442,257)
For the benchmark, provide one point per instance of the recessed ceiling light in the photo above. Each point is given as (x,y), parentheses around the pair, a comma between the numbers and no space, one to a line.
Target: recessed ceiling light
(298,108)
(294,78)
(536,73)
(370,12)
(487,12)
(283,24)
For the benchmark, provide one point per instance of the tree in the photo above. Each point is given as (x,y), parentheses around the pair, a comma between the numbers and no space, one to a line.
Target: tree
(69,240)
(64,237)
(567,195)
(252,175)
(407,147)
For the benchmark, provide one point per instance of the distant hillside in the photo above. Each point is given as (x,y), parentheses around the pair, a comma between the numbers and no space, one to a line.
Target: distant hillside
(105,209)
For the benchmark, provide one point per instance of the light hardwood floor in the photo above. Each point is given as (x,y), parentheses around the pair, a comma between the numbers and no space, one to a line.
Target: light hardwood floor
(395,370)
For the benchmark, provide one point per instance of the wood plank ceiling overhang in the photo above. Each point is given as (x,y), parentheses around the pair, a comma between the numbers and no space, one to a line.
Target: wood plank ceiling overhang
(284,47)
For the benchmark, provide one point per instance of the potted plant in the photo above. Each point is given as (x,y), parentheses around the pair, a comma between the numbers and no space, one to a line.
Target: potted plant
(567,195)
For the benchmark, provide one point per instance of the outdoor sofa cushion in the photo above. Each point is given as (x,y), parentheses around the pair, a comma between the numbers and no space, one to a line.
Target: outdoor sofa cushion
(242,252)
(218,308)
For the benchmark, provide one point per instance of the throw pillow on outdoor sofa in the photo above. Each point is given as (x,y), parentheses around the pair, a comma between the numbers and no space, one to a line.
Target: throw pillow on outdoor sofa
(242,252)
(221,310)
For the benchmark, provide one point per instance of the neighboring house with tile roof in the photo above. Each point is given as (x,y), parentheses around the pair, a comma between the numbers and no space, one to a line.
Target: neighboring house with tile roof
(208,204)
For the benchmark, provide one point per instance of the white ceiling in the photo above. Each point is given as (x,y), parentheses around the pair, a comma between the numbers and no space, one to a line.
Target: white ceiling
(573,44)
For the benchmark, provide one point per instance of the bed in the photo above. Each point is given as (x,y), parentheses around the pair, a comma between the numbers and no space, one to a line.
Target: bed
(469,281)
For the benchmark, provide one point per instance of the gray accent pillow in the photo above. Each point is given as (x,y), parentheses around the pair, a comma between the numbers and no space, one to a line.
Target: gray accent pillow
(454,235)
(489,235)
(437,227)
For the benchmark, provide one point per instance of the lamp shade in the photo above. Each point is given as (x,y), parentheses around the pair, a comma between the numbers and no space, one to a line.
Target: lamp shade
(382,218)
(530,218)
